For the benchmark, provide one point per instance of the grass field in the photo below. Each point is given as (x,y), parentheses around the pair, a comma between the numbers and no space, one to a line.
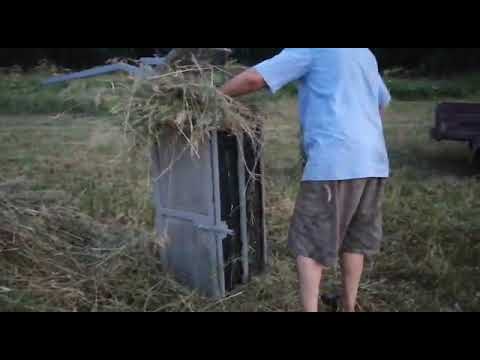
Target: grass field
(431,255)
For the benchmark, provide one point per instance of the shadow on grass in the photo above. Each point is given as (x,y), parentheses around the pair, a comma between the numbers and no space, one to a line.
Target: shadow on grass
(426,162)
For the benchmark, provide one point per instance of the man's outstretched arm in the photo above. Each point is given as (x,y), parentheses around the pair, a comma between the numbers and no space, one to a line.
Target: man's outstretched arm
(246,83)
(290,65)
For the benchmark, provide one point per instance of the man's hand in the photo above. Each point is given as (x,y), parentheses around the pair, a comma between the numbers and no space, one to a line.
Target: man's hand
(247,82)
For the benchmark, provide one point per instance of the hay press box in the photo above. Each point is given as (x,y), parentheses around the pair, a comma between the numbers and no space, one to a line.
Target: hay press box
(210,212)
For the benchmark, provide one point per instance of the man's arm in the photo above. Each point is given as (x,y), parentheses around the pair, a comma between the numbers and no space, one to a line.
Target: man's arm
(290,65)
(246,83)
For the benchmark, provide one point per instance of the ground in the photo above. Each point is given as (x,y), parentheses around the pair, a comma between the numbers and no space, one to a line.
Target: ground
(431,254)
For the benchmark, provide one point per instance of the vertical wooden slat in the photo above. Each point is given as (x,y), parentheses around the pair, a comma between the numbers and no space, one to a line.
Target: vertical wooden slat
(217,211)
(243,209)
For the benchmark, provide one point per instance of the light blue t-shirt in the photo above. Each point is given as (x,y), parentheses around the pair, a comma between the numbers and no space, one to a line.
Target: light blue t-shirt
(340,93)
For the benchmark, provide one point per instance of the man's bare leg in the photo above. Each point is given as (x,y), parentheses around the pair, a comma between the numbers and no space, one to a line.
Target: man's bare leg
(310,276)
(352,269)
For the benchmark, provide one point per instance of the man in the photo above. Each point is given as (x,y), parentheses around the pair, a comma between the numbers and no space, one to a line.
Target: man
(339,209)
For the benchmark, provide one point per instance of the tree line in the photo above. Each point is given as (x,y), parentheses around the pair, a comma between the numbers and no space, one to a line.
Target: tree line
(439,61)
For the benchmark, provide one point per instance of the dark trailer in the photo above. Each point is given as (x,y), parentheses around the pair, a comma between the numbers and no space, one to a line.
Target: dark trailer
(459,122)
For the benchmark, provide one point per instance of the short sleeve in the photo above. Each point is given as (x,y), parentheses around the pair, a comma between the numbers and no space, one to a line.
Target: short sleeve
(384,96)
(290,65)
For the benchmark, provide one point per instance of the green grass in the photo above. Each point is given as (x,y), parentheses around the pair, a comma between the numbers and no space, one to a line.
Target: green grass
(22,93)
(431,255)
(430,221)
(458,87)
(81,155)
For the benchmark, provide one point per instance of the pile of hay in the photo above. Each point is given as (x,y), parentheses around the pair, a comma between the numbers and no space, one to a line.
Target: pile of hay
(185,96)
(54,258)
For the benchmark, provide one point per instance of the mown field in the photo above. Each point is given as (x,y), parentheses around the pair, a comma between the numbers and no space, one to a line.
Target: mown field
(63,138)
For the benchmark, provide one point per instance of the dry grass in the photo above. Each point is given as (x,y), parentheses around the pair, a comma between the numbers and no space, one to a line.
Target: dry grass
(55,258)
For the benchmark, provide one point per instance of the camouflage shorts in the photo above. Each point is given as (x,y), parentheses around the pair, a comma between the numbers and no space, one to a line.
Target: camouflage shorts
(335,217)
